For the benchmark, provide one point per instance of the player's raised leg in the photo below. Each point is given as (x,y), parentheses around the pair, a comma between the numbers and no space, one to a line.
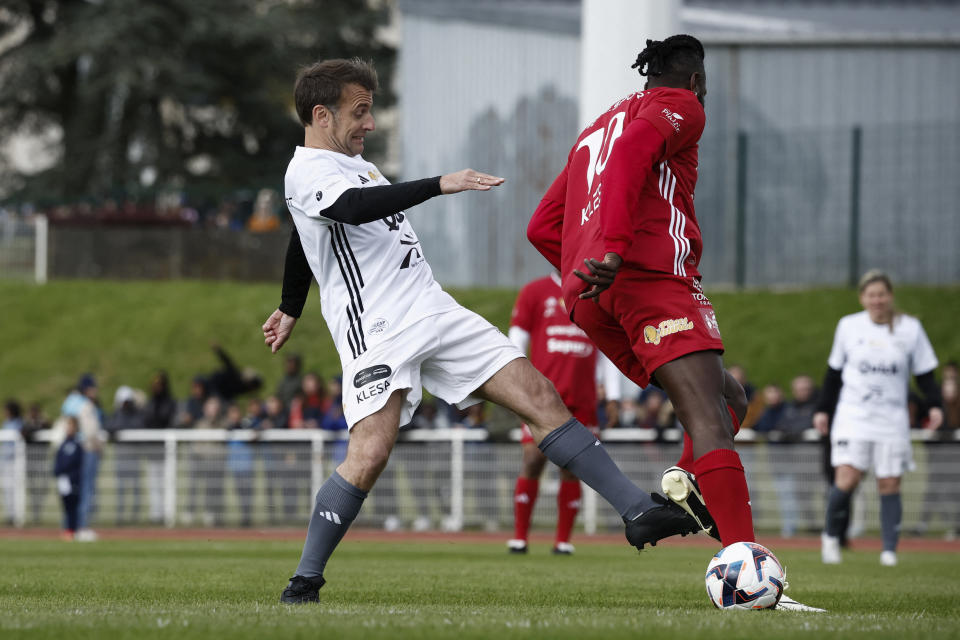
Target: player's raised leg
(521,388)
(341,496)
(695,385)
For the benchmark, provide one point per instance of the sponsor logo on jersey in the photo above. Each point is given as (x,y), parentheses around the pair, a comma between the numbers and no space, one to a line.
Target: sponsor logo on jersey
(363,179)
(393,221)
(576,348)
(881,368)
(378,326)
(413,258)
(373,390)
(653,335)
(672,118)
(371,374)
(319,195)
(566,330)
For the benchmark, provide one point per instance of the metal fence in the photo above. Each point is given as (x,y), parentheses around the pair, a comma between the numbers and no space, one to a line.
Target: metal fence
(450,479)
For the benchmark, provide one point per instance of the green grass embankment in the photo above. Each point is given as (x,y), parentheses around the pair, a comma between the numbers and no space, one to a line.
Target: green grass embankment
(124,331)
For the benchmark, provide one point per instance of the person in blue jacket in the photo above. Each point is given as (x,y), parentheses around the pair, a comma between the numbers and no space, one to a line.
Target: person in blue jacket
(66,469)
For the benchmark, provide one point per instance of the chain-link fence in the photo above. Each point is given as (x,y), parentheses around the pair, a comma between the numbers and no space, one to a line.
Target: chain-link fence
(445,479)
(815,207)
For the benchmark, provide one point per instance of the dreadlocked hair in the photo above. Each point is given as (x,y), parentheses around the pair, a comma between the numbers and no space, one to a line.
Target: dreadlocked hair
(677,54)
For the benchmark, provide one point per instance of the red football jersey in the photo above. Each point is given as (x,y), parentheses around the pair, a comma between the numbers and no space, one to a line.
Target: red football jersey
(628,188)
(559,349)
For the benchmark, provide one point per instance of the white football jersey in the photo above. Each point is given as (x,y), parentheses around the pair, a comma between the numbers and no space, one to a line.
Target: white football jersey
(374,280)
(876,365)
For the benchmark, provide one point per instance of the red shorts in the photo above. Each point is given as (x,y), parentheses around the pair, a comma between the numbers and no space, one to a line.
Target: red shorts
(527,437)
(647,319)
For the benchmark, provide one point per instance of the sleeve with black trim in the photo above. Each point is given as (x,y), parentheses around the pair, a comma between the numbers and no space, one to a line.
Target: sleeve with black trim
(931,390)
(296,278)
(830,393)
(361,205)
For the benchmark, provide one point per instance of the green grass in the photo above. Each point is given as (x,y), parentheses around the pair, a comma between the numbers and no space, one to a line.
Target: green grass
(124,331)
(151,589)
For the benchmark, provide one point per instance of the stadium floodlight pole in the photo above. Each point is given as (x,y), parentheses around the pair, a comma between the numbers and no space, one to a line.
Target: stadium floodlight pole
(612,32)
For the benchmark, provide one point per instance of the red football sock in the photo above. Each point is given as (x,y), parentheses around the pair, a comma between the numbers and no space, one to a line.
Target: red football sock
(524,497)
(686,457)
(568,504)
(724,487)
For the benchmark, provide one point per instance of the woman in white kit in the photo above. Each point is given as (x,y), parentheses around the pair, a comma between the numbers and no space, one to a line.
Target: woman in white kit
(865,390)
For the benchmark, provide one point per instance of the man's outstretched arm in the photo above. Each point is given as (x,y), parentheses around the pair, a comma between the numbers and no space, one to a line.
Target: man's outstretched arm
(360,205)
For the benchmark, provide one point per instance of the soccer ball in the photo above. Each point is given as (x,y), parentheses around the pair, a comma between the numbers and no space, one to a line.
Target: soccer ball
(745,575)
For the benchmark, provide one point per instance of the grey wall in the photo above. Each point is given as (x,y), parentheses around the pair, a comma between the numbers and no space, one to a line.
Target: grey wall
(503,99)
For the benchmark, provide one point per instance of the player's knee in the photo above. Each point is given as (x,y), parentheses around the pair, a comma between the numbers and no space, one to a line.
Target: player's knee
(371,458)
(543,395)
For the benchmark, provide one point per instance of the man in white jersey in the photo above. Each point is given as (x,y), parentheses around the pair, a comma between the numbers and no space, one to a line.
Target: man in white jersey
(873,355)
(396,330)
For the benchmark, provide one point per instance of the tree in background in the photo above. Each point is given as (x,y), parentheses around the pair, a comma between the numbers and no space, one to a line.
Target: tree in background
(133,97)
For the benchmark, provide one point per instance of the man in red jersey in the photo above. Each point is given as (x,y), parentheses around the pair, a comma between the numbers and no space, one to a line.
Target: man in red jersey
(562,352)
(623,207)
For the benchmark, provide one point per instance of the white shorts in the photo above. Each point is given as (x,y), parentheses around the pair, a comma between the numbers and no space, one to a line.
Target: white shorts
(450,354)
(889,459)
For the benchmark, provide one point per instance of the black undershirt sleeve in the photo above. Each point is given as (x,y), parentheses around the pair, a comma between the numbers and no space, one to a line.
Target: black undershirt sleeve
(296,278)
(931,390)
(830,393)
(362,205)
(354,206)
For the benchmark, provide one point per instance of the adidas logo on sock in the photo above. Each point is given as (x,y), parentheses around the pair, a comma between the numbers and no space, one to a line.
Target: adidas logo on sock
(331,516)
(522,498)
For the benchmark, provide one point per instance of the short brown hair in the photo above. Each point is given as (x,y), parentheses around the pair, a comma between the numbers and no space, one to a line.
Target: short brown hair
(322,82)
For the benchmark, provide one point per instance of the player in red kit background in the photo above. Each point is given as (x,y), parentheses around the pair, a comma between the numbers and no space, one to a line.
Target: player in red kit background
(623,207)
(562,352)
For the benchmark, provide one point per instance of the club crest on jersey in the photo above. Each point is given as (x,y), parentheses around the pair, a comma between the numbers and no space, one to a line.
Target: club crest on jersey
(710,321)
(373,175)
(378,326)
(653,335)
(319,195)
(549,307)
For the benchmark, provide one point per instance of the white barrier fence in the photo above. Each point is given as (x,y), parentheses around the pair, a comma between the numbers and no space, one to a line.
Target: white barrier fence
(448,479)
(23,248)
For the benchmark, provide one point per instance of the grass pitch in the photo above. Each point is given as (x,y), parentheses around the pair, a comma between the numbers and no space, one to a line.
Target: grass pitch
(152,589)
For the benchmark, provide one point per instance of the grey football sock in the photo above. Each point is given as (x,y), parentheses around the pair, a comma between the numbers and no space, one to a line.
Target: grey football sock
(891,513)
(338,503)
(572,447)
(838,512)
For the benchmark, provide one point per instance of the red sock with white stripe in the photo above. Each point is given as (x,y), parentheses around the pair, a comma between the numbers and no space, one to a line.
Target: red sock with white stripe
(568,505)
(524,497)
(686,457)
(724,487)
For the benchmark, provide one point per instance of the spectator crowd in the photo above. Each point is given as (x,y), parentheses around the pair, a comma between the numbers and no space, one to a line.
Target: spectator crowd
(231,399)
